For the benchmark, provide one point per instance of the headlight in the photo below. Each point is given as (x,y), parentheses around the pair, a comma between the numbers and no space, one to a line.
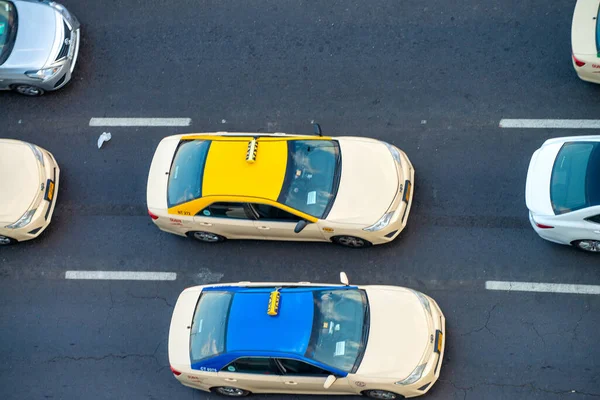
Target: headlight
(423,300)
(414,376)
(37,152)
(24,220)
(44,74)
(394,151)
(382,223)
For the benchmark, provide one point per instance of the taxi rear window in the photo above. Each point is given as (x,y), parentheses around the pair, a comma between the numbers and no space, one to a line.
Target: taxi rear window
(187,170)
(207,334)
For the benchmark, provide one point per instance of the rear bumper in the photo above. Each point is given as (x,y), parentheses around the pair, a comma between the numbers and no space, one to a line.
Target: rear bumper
(588,73)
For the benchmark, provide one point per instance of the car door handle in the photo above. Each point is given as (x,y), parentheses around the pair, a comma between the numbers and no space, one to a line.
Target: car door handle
(596,231)
(205,224)
(264,228)
(230,380)
(291,383)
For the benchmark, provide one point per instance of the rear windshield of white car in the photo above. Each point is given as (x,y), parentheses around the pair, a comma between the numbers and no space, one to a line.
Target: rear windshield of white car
(575,182)
(340,328)
(207,335)
(187,170)
(311,177)
(8,29)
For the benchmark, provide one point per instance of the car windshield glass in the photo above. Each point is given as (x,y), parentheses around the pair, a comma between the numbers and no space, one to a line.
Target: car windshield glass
(8,29)
(312,176)
(185,177)
(339,329)
(575,182)
(207,334)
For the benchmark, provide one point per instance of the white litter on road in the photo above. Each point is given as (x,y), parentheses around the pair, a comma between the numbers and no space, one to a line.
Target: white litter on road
(105,137)
(122,275)
(551,123)
(140,121)
(542,287)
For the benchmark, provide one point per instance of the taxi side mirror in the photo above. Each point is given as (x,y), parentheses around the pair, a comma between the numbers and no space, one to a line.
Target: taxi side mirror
(329,381)
(300,226)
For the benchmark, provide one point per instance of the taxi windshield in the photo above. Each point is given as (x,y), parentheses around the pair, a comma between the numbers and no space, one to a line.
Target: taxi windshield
(312,176)
(187,170)
(340,328)
(8,29)
(207,334)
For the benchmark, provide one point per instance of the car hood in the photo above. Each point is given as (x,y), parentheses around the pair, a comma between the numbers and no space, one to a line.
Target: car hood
(36,35)
(158,177)
(19,188)
(368,182)
(537,186)
(399,333)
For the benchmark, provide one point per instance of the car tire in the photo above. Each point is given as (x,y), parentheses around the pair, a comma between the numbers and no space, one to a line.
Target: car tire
(229,391)
(5,240)
(206,237)
(382,394)
(27,90)
(587,245)
(351,241)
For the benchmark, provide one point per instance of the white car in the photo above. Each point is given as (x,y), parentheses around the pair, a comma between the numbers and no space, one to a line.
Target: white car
(584,40)
(563,191)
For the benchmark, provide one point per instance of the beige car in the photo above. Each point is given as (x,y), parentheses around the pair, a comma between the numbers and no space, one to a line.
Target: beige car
(383,342)
(28,190)
(585,43)
(349,190)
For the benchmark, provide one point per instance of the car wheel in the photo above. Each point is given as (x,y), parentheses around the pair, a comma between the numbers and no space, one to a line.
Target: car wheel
(230,391)
(206,237)
(593,246)
(382,394)
(351,241)
(28,90)
(5,240)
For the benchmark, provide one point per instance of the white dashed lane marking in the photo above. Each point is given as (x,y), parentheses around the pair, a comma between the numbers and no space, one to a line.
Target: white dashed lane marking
(551,123)
(122,275)
(140,121)
(542,287)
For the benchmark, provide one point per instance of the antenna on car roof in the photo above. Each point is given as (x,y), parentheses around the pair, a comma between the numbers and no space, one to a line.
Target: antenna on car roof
(317,129)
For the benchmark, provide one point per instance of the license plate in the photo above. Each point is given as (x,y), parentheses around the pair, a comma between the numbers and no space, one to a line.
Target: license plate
(407,189)
(439,339)
(49,190)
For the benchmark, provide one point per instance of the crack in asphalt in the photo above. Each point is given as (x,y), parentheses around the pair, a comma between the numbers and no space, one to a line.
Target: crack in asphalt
(152,298)
(485,326)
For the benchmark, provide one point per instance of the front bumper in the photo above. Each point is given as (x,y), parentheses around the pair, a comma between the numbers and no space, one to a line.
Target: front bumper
(43,215)
(400,218)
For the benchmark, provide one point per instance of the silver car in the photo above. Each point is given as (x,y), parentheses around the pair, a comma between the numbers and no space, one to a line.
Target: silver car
(39,44)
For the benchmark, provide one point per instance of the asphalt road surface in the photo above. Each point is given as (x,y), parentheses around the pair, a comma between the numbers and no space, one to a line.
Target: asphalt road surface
(435,79)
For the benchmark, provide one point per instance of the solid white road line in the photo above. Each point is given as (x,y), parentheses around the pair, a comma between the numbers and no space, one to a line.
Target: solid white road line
(122,275)
(542,287)
(551,123)
(140,121)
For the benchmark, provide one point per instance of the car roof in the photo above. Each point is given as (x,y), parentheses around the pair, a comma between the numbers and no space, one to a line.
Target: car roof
(250,328)
(227,171)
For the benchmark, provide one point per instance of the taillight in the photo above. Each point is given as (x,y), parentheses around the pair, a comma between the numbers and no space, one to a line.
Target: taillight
(542,226)
(153,216)
(174,371)
(579,63)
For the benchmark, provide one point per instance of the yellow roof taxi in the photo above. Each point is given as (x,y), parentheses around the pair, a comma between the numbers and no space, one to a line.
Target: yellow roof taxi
(215,186)
(382,342)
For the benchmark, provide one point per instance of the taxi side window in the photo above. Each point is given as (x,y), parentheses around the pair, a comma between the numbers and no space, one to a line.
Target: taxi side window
(253,365)
(296,367)
(267,212)
(595,218)
(225,210)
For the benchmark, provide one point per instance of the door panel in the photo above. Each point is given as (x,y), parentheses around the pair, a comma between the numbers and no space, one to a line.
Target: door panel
(277,224)
(314,385)
(256,374)
(227,219)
